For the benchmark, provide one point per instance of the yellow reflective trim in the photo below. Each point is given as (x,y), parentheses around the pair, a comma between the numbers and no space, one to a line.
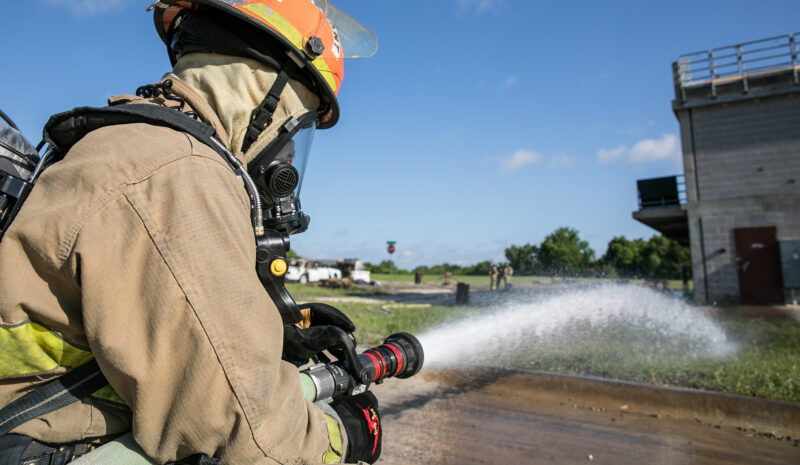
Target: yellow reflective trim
(334,452)
(287,29)
(108,394)
(278,22)
(30,348)
(326,73)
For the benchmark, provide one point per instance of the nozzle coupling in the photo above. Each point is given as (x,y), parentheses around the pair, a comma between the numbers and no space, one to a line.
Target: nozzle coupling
(399,356)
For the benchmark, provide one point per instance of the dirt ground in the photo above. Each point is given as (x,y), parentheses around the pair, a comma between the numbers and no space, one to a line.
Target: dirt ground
(498,417)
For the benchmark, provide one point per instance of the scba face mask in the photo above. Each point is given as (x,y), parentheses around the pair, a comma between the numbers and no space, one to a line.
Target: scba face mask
(278,173)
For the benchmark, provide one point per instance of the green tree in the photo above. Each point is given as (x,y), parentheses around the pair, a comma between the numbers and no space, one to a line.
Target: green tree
(384,267)
(664,257)
(656,258)
(563,252)
(624,256)
(477,269)
(524,259)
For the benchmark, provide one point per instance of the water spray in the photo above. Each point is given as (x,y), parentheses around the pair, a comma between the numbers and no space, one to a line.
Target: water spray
(635,321)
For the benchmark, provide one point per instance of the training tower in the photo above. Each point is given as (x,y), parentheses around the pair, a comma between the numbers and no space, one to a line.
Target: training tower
(737,203)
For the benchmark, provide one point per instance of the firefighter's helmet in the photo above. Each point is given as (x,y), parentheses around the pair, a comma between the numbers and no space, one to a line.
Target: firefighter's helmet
(315,33)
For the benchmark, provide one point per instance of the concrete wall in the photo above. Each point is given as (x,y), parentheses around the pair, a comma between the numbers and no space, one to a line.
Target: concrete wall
(742,168)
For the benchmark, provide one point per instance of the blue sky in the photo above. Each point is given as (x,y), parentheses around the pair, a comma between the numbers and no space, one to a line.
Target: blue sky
(478,124)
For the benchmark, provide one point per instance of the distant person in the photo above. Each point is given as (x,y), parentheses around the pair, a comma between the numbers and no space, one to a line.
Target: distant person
(685,278)
(508,272)
(493,272)
(500,276)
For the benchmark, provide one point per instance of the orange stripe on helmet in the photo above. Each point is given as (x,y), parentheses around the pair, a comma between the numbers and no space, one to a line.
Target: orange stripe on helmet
(302,18)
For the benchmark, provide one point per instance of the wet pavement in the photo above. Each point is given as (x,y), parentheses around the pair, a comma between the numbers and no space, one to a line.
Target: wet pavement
(508,417)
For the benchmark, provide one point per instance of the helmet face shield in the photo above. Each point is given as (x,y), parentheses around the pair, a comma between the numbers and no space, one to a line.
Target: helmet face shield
(357,40)
(278,172)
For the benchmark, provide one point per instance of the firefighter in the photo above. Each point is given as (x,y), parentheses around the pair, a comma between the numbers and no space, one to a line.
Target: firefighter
(508,273)
(137,250)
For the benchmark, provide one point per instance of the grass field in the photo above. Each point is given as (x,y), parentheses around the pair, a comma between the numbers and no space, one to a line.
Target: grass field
(471,280)
(767,364)
(306,290)
(516,280)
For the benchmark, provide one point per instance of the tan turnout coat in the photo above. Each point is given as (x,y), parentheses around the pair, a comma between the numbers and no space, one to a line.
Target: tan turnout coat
(138,248)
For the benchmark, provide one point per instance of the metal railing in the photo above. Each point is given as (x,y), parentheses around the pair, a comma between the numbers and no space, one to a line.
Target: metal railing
(739,62)
(662,192)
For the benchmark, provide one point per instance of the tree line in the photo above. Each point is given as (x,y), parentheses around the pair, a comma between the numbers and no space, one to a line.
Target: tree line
(564,253)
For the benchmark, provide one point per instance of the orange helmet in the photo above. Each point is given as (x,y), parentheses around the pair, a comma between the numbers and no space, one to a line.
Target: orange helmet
(315,33)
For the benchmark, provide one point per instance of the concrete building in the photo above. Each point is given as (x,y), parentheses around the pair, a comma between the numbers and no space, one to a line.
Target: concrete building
(738,202)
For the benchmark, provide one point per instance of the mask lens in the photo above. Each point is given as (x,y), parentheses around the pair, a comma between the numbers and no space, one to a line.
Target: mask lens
(302,141)
(279,175)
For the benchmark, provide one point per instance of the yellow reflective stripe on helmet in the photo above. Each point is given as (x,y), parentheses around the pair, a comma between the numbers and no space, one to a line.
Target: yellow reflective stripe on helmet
(278,22)
(30,348)
(287,29)
(326,73)
(109,395)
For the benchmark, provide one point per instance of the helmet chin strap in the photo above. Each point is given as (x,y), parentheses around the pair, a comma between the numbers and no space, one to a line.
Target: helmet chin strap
(262,115)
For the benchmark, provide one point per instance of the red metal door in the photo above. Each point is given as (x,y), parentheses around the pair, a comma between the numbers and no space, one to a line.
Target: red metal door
(758,262)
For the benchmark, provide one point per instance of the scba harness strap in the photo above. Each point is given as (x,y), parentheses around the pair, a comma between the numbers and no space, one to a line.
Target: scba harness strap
(64,390)
(65,129)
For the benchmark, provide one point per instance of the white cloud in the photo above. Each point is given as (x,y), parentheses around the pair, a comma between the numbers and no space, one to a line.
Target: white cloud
(611,156)
(654,149)
(510,81)
(517,160)
(561,160)
(646,150)
(479,6)
(87,7)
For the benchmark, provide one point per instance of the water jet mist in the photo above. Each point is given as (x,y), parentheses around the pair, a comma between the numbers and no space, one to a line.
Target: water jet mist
(602,323)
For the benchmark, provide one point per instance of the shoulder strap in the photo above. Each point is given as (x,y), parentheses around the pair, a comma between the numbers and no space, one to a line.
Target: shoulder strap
(62,391)
(65,129)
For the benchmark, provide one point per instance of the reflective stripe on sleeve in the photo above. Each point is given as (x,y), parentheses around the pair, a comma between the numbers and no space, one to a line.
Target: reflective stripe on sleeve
(29,348)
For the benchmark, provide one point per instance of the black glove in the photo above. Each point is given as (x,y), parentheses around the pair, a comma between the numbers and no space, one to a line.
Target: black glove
(319,314)
(359,415)
(299,345)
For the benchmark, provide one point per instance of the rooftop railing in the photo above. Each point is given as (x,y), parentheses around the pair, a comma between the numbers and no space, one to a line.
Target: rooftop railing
(740,62)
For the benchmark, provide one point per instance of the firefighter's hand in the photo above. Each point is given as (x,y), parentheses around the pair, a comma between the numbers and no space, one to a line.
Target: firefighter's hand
(317,332)
(299,345)
(318,314)
(359,416)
